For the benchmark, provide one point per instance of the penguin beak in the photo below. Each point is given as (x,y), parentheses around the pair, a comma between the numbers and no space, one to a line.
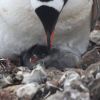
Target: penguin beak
(48,17)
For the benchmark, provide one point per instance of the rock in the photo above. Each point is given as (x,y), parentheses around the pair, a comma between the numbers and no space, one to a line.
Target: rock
(94,88)
(57,96)
(93,83)
(6,66)
(90,57)
(12,88)
(93,69)
(52,83)
(6,95)
(98,75)
(28,90)
(37,75)
(74,88)
(54,73)
(70,94)
(68,77)
(8,73)
(91,73)
(12,79)
(3,81)
(51,88)
(95,34)
(76,94)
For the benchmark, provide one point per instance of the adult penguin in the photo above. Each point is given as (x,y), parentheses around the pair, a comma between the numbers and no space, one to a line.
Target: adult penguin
(24,23)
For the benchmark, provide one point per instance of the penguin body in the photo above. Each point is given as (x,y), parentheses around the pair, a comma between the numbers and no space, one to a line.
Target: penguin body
(73,26)
(21,27)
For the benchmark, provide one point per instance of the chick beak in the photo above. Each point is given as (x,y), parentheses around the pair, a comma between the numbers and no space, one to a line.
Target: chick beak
(48,17)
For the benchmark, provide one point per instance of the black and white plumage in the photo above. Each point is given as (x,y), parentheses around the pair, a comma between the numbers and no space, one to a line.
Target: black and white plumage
(48,11)
(21,24)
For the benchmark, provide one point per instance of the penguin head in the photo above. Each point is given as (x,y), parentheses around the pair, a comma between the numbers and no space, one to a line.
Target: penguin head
(48,12)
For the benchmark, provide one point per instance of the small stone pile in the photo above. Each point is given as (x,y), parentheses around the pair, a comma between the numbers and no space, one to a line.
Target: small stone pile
(50,84)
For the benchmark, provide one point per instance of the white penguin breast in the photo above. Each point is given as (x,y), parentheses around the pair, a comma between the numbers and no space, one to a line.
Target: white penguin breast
(73,26)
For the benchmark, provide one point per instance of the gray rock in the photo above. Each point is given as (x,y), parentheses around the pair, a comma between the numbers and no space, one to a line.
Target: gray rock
(68,77)
(95,36)
(36,75)
(27,90)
